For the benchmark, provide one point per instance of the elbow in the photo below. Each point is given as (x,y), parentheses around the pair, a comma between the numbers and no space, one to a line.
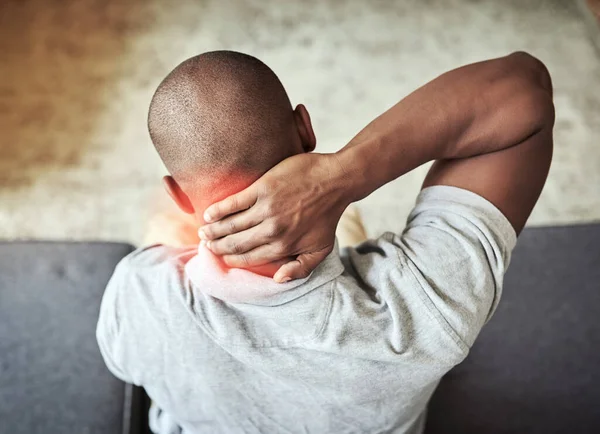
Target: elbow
(542,110)
(538,88)
(534,69)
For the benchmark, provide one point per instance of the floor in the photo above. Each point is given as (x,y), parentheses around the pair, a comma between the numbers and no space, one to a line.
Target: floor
(77,76)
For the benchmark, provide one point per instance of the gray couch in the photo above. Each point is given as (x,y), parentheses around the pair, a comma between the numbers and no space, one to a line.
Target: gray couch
(52,377)
(534,369)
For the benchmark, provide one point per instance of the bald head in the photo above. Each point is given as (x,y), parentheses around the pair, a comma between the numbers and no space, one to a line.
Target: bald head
(220,117)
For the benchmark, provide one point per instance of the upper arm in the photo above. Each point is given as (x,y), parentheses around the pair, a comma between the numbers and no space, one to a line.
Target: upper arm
(457,246)
(110,327)
(437,283)
(511,179)
(136,310)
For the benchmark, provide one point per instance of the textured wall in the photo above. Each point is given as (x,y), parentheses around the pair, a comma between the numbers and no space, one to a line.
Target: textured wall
(76,161)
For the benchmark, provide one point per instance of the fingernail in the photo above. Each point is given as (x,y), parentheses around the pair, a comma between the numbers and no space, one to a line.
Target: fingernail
(201,234)
(286,279)
(208,244)
(203,243)
(207,217)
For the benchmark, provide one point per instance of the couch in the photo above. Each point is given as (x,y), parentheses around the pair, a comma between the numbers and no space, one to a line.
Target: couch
(534,369)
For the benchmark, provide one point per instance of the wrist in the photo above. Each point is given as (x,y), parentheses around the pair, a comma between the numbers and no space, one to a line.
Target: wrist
(356,179)
(335,184)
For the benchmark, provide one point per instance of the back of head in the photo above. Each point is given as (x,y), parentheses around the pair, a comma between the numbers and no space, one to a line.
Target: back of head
(221,118)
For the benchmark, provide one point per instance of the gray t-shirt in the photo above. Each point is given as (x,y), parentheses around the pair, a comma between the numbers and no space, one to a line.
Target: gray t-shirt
(357,347)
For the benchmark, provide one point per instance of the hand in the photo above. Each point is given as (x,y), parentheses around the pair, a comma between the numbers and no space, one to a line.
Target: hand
(291,211)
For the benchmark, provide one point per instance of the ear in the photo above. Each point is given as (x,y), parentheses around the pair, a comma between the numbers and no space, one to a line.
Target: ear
(177,194)
(305,129)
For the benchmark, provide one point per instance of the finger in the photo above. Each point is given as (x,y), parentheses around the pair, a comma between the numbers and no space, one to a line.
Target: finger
(228,226)
(259,256)
(230,205)
(239,243)
(302,266)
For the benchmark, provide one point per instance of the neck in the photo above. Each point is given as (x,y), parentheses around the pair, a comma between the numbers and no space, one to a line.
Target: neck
(203,201)
(267,270)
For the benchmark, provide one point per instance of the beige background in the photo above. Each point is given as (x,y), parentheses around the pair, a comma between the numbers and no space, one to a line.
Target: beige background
(77,76)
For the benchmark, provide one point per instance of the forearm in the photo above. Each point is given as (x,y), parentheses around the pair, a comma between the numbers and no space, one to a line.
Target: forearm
(480,108)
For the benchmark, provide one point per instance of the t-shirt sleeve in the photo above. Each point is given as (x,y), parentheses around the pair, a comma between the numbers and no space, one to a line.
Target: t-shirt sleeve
(134,312)
(111,325)
(458,247)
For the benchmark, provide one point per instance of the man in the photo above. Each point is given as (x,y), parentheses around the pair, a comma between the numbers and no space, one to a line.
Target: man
(351,342)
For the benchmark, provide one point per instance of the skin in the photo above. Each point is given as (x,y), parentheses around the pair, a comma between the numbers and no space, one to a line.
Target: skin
(182,230)
(487,125)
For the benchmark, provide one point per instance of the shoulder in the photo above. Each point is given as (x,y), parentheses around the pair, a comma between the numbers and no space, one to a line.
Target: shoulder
(458,246)
(148,276)
(447,265)
(146,259)
(138,297)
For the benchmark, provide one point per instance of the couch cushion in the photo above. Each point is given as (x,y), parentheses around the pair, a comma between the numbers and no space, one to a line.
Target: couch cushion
(536,365)
(52,376)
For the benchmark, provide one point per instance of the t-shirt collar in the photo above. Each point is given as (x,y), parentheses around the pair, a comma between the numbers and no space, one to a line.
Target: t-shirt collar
(235,285)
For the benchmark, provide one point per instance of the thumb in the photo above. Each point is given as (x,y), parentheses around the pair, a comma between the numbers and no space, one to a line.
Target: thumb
(302,266)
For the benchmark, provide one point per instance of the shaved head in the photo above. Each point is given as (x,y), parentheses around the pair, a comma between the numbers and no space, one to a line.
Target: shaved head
(220,117)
